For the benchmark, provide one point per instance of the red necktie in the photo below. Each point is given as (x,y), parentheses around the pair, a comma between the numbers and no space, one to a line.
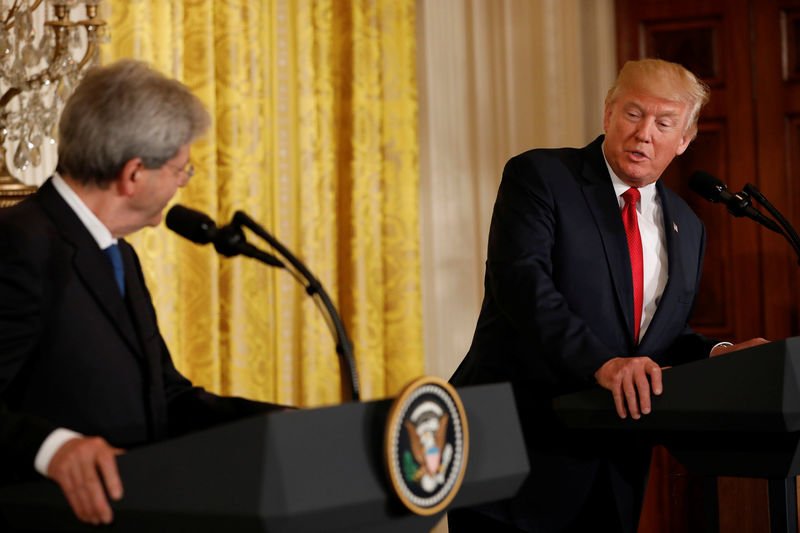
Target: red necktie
(629,218)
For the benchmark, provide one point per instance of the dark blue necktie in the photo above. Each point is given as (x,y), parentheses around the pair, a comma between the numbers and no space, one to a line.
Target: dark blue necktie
(116,261)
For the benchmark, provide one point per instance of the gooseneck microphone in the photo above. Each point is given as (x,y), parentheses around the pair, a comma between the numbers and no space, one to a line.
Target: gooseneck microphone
(191,224)
(738,204)
(230,240)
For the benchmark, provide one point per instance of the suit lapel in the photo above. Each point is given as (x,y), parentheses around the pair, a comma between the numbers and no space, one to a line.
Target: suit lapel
(676,273)
(143,316)
(138,297)
(604,206)
(90,263)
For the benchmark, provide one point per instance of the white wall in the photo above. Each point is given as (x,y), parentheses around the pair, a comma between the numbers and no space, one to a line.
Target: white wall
(496,78)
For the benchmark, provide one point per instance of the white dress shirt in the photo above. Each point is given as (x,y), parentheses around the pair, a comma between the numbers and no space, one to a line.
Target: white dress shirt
(655,261)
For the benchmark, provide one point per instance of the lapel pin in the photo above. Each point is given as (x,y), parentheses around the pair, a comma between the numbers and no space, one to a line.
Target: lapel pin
(675,227)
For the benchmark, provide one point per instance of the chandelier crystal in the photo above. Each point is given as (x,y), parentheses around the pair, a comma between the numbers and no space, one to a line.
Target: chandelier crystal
(38,72)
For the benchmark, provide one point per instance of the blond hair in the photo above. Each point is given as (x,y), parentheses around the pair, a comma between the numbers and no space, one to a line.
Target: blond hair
(663,79)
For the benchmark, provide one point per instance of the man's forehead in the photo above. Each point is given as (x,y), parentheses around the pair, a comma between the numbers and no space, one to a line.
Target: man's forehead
(652,102)
(668,107)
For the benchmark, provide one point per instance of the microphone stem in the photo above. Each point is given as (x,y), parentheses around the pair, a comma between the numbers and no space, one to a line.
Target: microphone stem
(314,288)
(790,234)
(315,297)
(253,252)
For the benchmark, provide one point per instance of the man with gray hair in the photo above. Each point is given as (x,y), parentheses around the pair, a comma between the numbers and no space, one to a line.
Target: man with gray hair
(84,371)
(592,272)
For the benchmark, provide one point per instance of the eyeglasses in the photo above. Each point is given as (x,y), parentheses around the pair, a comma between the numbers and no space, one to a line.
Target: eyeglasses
(188,170)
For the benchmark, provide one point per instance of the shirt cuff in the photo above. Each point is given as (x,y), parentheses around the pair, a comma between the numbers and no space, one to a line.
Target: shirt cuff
(724,343)
(50,446)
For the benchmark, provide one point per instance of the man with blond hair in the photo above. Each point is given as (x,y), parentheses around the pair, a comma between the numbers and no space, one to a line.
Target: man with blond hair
(592,273)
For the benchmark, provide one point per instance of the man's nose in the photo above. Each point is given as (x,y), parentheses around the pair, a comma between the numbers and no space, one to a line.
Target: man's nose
(644,130)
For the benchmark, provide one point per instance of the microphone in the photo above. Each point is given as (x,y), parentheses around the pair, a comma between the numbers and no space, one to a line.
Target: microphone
(191,224)
(228,240)
(738,204)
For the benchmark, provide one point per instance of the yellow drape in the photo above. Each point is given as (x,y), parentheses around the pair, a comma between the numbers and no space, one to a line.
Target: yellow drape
(314,136)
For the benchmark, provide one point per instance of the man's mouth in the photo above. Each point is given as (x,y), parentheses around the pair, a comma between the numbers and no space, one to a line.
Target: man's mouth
(638,155)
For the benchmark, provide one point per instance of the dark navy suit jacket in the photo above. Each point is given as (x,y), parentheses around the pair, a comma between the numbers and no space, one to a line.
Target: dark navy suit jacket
(558,304)
(74,353)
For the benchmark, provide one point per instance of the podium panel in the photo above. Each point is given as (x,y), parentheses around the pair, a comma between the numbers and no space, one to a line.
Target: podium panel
(733,415)
(302,471)
(736,415)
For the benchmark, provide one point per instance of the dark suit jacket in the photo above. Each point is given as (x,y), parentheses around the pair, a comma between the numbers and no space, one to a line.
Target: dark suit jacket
(74,353)
(558,304)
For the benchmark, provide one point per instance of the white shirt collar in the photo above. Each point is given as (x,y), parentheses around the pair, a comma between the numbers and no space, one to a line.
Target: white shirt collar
(97,229)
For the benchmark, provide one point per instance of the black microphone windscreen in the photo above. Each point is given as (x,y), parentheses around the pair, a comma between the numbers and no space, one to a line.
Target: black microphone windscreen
(706,185)
(191,224)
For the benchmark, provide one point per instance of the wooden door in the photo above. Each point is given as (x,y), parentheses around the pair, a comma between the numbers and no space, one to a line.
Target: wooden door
(748,51)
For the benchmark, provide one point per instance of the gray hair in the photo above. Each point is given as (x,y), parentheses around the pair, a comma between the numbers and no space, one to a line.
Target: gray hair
(123,111)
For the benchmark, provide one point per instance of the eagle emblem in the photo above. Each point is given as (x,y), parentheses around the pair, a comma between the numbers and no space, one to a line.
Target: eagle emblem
(426,445)
(430,454)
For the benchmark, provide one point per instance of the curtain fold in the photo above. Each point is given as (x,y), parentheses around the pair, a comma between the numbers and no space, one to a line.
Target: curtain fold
(314,135)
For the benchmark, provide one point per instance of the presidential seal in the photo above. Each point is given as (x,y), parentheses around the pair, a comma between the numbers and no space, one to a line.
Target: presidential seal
(426,444)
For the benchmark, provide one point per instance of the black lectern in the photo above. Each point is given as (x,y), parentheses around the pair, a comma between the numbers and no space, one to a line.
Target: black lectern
(304,471)
(733,415)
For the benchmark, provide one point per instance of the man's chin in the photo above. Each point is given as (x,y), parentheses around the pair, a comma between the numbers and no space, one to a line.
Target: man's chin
(156,219)
(636,176)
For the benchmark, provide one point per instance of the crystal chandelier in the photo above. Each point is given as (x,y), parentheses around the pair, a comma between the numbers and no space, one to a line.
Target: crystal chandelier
(38,72)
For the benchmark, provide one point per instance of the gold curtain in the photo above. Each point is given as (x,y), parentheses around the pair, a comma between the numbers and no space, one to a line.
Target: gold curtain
(314,135)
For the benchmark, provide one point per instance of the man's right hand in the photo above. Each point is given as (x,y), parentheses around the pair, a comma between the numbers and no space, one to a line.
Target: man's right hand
(82,467)
(630,380)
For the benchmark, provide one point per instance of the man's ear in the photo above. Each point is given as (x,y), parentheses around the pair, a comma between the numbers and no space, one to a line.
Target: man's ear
(129,177)
(687,138)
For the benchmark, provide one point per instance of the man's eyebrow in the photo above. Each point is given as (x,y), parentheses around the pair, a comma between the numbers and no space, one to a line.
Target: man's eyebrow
(665,113)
